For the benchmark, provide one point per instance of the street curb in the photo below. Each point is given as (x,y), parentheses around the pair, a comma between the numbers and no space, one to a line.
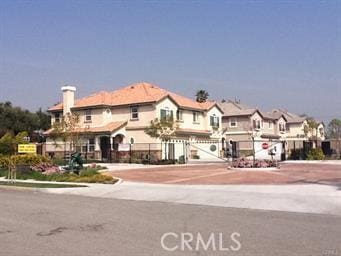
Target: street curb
(119,181)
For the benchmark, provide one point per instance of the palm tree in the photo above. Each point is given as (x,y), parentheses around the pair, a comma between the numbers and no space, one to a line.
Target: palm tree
(201,96)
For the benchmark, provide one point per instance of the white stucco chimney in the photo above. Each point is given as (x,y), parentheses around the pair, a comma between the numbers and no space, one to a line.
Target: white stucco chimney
(68,98)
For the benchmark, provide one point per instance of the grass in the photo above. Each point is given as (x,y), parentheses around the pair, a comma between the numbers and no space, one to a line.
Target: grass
(38,185)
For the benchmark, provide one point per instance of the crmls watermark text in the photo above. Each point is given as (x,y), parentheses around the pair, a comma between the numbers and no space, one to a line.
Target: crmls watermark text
(171,242)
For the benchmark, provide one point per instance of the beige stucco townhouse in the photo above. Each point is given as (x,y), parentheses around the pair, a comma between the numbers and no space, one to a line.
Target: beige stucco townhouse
(297,132)
(246,129)
(113,121)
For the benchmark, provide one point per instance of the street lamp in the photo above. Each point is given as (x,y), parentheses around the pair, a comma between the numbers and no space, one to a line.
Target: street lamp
(253,136)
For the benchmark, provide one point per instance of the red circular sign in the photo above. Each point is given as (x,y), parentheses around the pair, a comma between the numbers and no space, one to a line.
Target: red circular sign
(265,145)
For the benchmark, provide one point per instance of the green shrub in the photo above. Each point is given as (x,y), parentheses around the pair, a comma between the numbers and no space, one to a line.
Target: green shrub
(28,159)
(296,154)
(98,178)
(88,172)
(182,159)
(315,154)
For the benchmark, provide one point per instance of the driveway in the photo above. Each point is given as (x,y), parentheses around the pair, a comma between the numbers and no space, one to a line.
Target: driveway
(218,174)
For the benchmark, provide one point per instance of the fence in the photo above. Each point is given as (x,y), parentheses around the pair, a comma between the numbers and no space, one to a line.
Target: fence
(172,151)
(258,149)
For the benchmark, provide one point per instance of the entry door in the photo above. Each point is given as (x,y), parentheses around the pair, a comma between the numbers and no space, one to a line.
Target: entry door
(105,148)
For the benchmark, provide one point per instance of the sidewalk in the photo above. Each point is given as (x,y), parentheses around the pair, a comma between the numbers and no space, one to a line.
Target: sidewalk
(321,199)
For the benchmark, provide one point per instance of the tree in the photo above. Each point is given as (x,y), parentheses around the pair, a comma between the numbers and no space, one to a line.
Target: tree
(334,129)
(9,143)
(163,129)
(16,119)
(68,130)
(6,144)
(44,120)
(202,96)
(311,126)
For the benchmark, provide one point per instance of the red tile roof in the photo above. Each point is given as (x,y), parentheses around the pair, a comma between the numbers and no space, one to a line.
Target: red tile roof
(138,93)
(193,131)
(111,127)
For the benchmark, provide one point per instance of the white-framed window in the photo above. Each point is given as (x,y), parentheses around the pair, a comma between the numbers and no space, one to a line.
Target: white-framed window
(166,114)
(179,115)
(90,146)
(134,113)
(57,118)
(282,127)
(270,124)
(88,116)
(257,124)
(233,122)
(214,121)
(195,117)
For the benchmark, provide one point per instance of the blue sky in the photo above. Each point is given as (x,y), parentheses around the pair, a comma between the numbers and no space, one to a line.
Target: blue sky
(266,53)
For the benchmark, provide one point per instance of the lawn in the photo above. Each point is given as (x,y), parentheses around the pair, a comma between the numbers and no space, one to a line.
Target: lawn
(38,185)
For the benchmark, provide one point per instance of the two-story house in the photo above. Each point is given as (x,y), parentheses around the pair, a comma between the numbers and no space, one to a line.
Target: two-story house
(109,121)
(298,131)
(250,130)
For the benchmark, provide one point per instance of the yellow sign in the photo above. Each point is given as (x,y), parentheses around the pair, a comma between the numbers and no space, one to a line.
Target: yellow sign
(27,148)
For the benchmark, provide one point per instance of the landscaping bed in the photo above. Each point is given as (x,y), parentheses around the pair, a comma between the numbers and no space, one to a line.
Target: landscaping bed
(246,163)
(40,168)
(87,175)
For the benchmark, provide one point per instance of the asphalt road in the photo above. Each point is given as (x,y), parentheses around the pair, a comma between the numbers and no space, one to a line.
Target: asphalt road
(34,224)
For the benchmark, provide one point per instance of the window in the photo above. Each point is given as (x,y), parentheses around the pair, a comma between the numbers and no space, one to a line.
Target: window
(179,116)
(282,127)
(256,124)
(88,115)
(92,145)
(132,140)
(214,121)
(166,114)
(134,113)
(57,117)
(233,122)
(195,117)
(270,124)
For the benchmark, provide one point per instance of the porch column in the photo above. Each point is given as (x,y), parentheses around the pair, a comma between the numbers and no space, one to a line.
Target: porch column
(97,143)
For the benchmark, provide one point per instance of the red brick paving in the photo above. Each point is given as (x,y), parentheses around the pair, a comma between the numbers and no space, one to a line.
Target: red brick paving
(218,174)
